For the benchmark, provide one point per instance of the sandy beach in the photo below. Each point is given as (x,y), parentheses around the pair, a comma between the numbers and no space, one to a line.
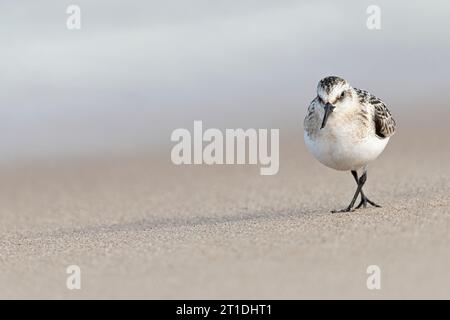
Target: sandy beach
(90,100)
(140,227)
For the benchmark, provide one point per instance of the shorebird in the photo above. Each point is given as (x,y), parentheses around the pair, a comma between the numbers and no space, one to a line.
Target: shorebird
(345,129)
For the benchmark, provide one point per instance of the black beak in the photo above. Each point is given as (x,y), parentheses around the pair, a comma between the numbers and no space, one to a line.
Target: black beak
(328,109)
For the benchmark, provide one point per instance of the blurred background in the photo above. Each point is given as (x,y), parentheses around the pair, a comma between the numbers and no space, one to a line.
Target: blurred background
(139,69)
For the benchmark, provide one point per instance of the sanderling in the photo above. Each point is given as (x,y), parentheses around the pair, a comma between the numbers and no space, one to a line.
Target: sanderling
(345,129)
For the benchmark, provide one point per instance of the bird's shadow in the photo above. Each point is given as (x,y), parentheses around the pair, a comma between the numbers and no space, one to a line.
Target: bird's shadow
(154,223)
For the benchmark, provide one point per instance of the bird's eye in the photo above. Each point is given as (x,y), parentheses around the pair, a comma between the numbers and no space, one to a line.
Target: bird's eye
(342,95)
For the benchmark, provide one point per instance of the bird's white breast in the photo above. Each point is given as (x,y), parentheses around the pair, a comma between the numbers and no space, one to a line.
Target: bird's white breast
(341,148)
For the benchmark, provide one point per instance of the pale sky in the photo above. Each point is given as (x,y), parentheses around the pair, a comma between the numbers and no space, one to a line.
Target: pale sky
(139,69)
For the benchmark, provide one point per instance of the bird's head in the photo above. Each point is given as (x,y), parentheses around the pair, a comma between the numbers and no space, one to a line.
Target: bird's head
(333,93)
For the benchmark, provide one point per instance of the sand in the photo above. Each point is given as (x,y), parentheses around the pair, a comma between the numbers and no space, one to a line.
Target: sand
(140,227)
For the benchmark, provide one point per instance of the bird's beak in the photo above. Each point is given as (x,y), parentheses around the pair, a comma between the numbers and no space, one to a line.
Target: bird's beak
(328,109)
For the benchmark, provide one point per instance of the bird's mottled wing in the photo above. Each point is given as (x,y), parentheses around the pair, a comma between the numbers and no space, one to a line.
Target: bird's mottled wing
(384,122)
(310,123)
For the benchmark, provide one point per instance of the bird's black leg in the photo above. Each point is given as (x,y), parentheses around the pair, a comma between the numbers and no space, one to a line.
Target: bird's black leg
(360,182)
(364,199)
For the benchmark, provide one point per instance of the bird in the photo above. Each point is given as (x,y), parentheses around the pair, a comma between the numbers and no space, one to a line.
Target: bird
(346,128)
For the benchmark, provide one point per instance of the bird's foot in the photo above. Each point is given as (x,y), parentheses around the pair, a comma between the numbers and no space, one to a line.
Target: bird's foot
(364,201)
(348,209)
